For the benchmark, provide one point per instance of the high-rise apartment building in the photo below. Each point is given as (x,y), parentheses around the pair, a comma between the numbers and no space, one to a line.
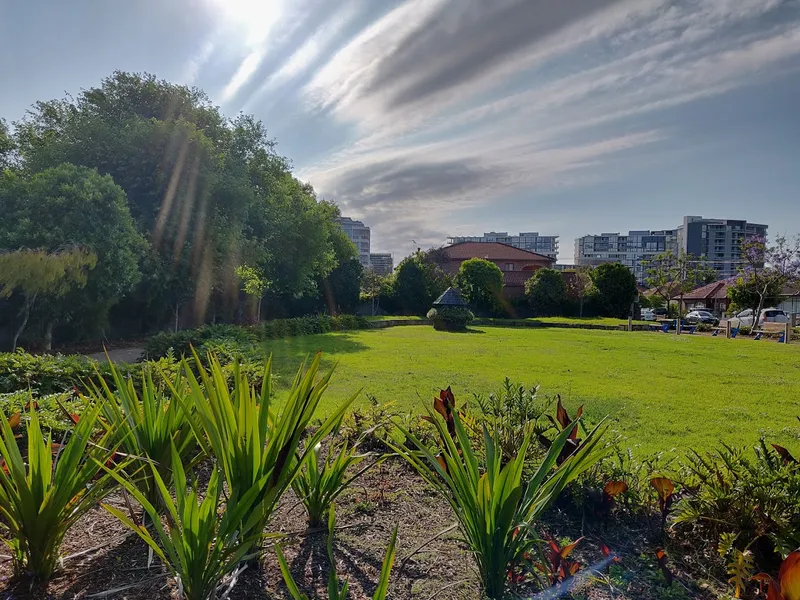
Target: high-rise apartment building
(531,240)
(360,235)
(631,250)
(383,263)
(717,241)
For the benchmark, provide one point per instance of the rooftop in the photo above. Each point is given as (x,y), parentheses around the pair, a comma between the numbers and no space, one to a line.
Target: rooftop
(492,251)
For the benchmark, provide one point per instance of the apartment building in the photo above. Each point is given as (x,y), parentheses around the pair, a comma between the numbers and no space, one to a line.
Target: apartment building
(632,249)
(530,240)
(383,263)
(360,235)
(717,241)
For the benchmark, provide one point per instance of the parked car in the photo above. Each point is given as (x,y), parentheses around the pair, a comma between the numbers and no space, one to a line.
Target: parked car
(696,317)
(648,314)
(768,315)
(660,312)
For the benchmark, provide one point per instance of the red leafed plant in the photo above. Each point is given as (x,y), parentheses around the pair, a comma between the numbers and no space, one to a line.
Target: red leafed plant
(666,496)
(787,585)
(611,490)
(563,422)
(556,564)
(662,558)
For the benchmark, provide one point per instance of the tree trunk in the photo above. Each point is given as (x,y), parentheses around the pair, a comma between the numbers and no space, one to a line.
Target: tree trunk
(580,310)
(26,311)
(48,336)
(177,313)
(258,310)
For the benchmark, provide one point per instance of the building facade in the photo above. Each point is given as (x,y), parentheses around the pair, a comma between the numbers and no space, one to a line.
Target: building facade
(531,240)
(517,265)
(717,241)
(383,263)
(360,235)
(632,250)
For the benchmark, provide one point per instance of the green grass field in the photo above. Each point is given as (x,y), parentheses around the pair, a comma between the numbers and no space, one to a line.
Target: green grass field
(662,392)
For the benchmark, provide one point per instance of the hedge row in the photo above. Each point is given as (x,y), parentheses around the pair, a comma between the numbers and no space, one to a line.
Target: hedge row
(227,339)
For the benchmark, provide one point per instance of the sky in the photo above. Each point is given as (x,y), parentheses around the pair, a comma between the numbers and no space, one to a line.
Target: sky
(429,118)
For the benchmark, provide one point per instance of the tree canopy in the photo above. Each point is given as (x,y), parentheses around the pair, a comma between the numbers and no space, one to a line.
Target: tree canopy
(418,281)
(203,193)
(546,292)
(616,289)
(481,284)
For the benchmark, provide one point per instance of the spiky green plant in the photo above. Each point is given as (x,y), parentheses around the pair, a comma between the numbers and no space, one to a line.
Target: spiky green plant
(496,510)
(252,439)
(319,483)
(336,590)
(147,425)
(205,539)
(42,499)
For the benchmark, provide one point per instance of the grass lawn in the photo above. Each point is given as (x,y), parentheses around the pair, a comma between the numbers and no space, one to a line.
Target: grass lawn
(663,392)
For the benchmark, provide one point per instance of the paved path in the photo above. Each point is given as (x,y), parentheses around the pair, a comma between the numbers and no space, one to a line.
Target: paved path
(121,355)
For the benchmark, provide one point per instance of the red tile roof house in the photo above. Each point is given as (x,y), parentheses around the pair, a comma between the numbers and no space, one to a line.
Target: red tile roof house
(516,264)
(713,297)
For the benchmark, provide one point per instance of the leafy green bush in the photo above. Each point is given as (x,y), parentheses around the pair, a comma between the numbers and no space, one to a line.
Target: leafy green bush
(745,330)
(705,327)
(755,496)
(450,317)
(44,374)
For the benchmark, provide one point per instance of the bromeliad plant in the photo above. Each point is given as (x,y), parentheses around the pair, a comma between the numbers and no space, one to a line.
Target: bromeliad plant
(496,510)
(204,539)
(251,440)
(337,591)
(42,499)
(147,426)
(319,483)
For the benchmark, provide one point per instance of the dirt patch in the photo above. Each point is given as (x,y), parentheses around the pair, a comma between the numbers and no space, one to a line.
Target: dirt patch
(367,513)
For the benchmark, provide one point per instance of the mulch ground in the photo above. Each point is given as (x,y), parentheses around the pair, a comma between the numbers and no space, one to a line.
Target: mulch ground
(104,561)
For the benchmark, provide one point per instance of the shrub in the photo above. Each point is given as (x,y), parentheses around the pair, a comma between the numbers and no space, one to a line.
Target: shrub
(705,327)
(206,538)
(745,330)
(43,374)
(546,292)
(44,493)
(512,414)
(496,511)
(319,483)
(450,317)
(147,425)
(243,430)
(754,496)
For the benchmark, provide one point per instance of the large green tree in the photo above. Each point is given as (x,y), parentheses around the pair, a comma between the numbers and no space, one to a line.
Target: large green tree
(481,284)
(418,281)
(616,289)
(546,292)
(206,192)
(68,206)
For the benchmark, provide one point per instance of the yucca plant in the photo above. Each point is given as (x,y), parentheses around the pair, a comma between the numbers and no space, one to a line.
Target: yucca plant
(319,483)
(204,539)
(147,425)
(496,511)
(42,499)
(337,591)
(250,438)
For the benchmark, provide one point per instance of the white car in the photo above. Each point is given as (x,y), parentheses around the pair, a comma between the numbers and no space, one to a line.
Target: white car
(648,314)
(768,315)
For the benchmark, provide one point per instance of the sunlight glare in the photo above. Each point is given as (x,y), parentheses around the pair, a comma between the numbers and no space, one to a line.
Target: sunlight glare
(255,19)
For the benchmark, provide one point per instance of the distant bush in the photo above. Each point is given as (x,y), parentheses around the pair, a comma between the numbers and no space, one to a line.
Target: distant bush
(745,330)
(705,327)
(450,317)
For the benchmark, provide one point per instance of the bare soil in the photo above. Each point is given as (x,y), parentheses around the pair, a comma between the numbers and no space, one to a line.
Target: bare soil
(103,560)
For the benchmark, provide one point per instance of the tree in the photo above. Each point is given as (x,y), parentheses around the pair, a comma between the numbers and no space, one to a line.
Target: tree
(673,275)
(254,284)
(37,274)
(546,292)
(767,271)
(372,286)
(70,206)
(616,289)
(418,282)
(7,146)
(481,284)
(580,286)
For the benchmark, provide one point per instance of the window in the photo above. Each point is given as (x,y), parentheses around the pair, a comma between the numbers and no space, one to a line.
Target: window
(508,267)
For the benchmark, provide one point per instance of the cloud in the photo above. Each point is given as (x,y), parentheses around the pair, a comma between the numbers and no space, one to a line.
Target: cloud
(456,104)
